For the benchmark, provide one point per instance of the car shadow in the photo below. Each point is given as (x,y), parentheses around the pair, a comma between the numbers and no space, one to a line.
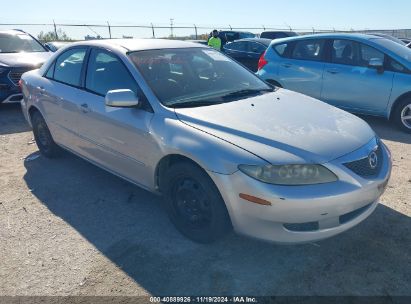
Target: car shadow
(128,226)
(12,119)
(387,130)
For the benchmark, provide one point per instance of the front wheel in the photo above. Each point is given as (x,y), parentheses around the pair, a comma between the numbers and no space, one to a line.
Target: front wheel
(43,138)
(402,115)
(194,203)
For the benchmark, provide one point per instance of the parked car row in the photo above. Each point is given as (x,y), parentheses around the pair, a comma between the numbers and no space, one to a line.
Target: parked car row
(360,73)
(224,148)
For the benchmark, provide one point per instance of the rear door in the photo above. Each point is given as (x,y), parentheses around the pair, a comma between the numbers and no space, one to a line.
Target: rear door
(61,94)
(350,83)
(116,138)
(302,71)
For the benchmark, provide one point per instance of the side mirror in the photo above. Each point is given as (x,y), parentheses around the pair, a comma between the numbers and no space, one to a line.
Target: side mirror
(376,63)
(121,99)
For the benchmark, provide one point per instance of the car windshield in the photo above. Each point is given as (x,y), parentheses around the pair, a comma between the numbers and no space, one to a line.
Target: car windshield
(190,77)
(401,50)
(18,43)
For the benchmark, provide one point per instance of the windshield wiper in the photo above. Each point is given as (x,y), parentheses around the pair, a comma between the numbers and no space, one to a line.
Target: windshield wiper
(246,92)
(193,104)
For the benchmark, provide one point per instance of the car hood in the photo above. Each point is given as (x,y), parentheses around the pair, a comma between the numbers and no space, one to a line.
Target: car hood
(24,59)
(282,127)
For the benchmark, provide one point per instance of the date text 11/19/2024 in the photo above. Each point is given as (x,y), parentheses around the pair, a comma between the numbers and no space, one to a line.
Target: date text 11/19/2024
(238,299)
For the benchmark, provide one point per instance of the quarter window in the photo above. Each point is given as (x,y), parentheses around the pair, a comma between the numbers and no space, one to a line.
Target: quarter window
(281,49)
(68,66)
(308,49)
(50,71)
(106,72)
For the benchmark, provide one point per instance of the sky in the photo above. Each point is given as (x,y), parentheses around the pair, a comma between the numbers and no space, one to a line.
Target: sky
(297,14)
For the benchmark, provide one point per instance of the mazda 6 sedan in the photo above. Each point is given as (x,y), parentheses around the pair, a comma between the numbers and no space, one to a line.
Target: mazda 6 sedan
(223,148)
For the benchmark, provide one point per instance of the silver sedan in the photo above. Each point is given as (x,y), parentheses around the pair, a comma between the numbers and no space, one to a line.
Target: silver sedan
(225,149)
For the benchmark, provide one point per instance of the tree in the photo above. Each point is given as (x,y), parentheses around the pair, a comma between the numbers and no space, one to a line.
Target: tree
(51,36)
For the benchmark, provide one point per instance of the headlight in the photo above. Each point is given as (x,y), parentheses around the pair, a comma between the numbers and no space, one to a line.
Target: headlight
(2,70)
(290,175)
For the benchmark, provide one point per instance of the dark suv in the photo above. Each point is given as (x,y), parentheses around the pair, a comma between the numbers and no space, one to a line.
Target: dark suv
(277,34)
(19,53)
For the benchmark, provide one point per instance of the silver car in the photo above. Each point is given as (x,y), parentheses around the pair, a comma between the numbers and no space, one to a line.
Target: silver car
(225,149)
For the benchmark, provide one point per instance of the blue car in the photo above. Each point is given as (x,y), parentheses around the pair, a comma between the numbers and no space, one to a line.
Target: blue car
(19,53)
(360,73)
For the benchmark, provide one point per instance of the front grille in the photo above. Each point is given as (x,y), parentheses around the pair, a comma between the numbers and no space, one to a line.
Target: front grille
(302,227)
(363,168)
(15,74)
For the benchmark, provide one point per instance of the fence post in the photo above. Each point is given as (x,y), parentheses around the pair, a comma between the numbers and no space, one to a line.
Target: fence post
(195,29)
(109,29)
(55,30)
(152,28)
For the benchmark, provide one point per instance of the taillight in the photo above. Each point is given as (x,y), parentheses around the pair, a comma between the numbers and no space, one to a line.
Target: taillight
(262,61)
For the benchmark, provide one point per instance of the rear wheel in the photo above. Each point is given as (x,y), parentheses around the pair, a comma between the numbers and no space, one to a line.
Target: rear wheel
(194,203)
(43,138)
(402,115)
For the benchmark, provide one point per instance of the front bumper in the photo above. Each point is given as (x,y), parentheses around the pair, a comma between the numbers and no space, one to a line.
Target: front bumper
(303,213)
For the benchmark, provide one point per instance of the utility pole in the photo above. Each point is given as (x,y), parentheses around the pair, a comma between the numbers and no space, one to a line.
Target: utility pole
(171,27)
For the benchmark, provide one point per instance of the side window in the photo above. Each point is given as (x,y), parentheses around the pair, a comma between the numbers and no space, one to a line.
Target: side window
(256,48)
(50,71)
(367,53)
(310,49)
(281,49)
(106,72)
(344,52)
(68,66)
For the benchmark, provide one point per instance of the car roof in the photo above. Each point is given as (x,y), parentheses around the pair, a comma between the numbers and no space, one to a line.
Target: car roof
(357,36)
(140,44)
(261,40)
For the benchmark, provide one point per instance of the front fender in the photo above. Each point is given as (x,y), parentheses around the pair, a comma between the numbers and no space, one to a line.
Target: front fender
(208,151)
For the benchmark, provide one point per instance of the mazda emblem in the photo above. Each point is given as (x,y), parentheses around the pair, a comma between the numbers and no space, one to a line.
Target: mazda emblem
(373,160)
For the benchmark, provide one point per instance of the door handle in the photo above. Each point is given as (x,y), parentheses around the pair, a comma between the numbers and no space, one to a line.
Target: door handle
(333,71)
(85,108)
(287,65)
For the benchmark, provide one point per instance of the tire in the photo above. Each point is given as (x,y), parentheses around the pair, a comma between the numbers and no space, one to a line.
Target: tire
(401,110)
(194,204)
(43,137)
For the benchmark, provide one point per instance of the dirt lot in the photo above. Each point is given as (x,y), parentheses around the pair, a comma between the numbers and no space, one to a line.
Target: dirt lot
(70,228)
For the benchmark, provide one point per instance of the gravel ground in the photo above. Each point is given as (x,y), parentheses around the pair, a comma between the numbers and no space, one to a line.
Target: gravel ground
(70,228)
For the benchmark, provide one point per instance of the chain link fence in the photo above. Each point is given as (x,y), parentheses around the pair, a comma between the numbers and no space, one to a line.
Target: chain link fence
(103,31)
